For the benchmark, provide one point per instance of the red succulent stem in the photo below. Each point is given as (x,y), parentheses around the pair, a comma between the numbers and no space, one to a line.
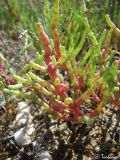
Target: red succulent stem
(113,100)
(96,98)
(76,109)
(61,90)
(57,43)
(1,67)
(60,105)
(101,93)
(48,49)
(7,80)
(83,98)
(46,43)
(52,70)
(80,81)
(104,52)
(57,46)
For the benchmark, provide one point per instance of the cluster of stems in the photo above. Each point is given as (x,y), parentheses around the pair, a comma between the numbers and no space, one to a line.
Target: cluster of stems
(63,85)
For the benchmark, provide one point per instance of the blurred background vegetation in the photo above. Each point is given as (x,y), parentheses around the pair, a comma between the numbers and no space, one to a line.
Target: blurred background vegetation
(26,12)
(17,16)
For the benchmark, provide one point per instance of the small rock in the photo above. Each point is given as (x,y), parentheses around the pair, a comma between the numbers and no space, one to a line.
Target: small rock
(43,156)
(19,137)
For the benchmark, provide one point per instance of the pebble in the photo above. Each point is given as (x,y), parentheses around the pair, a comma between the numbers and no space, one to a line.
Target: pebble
(43,156)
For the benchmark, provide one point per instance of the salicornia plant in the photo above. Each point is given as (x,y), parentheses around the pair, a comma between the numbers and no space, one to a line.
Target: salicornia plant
(63,82)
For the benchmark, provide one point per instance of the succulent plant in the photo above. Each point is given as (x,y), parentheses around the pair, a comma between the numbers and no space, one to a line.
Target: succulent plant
(64,85)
